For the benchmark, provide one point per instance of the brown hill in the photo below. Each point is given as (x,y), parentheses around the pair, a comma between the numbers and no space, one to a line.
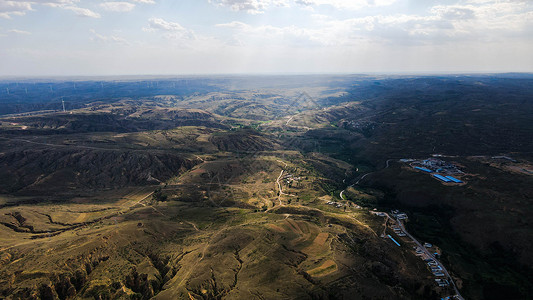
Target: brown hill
(49,170)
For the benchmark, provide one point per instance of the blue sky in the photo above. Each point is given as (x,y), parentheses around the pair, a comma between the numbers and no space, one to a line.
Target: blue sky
(97,37)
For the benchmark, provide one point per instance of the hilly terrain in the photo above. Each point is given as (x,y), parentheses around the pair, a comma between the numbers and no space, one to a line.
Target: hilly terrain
(266,187)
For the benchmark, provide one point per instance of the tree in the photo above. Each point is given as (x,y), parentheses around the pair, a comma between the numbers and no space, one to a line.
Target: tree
(158,195)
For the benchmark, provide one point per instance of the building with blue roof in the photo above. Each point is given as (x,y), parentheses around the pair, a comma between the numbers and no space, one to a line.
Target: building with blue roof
(441,178)
(390,237)
(423,169)
(454,179)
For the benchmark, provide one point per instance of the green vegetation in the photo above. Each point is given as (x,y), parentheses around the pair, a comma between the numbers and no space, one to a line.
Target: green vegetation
(215,192)
(158,195)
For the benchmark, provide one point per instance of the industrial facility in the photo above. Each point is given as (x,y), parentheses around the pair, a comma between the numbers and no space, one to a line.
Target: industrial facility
(438,168)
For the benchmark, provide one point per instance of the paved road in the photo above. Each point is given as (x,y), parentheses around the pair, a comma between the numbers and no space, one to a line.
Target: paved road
(342,192)
(279,187)
(362,177)
(400,223)
(290,119)
(387,163)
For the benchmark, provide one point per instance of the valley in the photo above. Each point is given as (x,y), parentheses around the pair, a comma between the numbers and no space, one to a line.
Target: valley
(264,188)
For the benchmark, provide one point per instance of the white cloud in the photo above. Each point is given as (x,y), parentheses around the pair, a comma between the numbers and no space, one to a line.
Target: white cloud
(453,12)
(160,24)
(144,1)
(13,8)
(10,8)
(82,12)
(17,31)
(251,6)
(108,39)
(488,20)
(482,21)
(50,1)
(268,35)
(346,4)
(172,30)
(118,6)
(260,6)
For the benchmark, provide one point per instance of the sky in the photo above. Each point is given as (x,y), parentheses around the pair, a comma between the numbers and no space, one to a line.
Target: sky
(163,37)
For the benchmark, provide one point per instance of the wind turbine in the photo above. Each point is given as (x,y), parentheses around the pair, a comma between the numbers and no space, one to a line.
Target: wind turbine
(63,102)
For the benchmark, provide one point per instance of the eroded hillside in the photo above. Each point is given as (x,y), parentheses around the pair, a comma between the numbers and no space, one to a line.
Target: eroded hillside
(266,189)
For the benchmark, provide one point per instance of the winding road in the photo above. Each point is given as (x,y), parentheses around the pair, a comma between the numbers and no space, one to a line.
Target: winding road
(362,177)
(279,187)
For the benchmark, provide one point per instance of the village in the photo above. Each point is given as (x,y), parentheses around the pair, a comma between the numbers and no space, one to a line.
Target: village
(394,221)
(429,253)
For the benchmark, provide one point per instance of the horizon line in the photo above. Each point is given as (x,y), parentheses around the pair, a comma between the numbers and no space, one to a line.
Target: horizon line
(392,73)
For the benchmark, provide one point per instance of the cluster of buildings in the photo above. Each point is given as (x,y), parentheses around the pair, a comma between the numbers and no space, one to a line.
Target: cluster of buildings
(427,252)
(289,177)
(399,215)
(433,266)
(442,282)
(438,165)
(398,231)
(336,204)
(438,168)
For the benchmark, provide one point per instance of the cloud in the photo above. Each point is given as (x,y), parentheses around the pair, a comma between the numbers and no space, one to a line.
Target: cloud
(454,12)
(82,12)
(13,8)
(10,8)
(108,39)
(50,1)
(268,35)
(172,30)
(440,24)
(144,1)
(17,31)
(179,38)
(346,4)
(160,24)
(251,6)
(488,20)
(4,33)
(234,25)
(118,6)
(260,6)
